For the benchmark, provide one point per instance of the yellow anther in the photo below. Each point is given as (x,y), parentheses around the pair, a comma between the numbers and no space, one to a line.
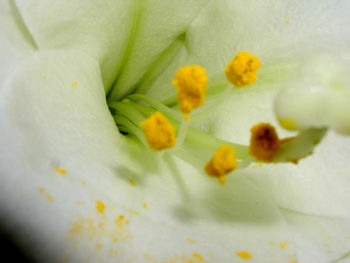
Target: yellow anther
(191,84)
(264,142)
(242,70)
(222,162)
(159,132)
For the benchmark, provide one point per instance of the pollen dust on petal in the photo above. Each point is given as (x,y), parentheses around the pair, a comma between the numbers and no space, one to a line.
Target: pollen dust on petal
(191,241)
(100,206)
(133,212)
(49,197)
(60,170)
(183,258)
(74,84)
(96,231)
(244,255)
(15,108)
(145,205)
(284,244)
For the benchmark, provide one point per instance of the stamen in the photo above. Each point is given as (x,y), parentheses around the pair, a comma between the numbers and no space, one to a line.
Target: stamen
(222,162)
(159,132)
(191,84)
(264,142)
(242,70)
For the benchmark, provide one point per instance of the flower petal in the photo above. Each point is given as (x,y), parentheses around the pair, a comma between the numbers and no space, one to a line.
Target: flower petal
(118,34)
(319,239)
(224,28)
(15,41)
(66,192)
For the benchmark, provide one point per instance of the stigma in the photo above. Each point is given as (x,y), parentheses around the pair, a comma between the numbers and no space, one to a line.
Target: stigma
(242,70)
(264,142)
(159,132)
(191,85)
(223,162)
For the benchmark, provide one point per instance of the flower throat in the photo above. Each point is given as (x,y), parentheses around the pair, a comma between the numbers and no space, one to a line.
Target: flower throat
(165,126)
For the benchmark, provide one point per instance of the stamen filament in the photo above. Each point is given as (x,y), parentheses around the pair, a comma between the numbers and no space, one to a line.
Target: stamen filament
(130,127)
(158,106)
(182,133)
(296,148)
(127,110)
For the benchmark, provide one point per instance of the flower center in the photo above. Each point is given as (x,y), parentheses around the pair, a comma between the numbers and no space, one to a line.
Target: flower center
(165,126)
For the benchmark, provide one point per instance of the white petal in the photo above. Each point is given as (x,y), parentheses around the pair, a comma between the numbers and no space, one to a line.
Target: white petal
(126,37)
(319,239)
(225,27)
(15,41)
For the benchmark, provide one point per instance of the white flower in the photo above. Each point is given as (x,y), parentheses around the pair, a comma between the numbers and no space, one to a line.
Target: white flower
(73,189)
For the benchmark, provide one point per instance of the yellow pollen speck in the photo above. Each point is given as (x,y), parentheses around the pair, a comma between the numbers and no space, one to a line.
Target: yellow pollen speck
(244,255)
(264,142)
(190,261)
(243,69)
(144,205)
(100,224)
(132,182)
(74,84)
(41,189)
(222,162)
(49,197)
(76,228)
(112,252)
(159,132)
(43,76)
(83,182)
(119,221)
(197,256)
(284,244)
(60,170)
(294,261)
(191,85)
(287,20)
(98,246)
(100,206)
(271,243)
(78,202)
(133,212)
(191,241)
